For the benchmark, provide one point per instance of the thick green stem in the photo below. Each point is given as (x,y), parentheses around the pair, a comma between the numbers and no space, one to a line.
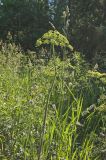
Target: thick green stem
(44,119)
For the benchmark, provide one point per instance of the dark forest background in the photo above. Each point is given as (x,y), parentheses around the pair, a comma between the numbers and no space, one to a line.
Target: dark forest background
(27,20)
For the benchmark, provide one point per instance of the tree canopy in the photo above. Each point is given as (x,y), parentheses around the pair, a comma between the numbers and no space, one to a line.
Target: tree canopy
(28,20)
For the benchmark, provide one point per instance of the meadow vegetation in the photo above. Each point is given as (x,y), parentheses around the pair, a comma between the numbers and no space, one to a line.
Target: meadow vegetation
(51,109)
(52,93)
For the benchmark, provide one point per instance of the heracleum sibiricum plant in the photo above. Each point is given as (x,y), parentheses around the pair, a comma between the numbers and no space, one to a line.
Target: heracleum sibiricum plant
(54,39)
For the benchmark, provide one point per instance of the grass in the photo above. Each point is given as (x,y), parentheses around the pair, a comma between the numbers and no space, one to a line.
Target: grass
(50,112)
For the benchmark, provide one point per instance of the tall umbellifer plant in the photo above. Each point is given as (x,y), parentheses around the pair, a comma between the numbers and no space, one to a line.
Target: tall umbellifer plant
(51,39)
(54,39)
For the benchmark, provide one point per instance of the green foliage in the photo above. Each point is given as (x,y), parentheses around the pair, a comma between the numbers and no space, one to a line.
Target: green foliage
(87,26)
(82,22)
(54,38)
(44,109)
(26,20)
(100,59)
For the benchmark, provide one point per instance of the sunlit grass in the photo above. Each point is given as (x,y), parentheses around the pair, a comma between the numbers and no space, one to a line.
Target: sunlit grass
(45,111)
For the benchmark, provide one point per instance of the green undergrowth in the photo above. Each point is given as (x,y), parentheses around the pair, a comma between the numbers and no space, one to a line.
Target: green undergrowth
(50,111)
